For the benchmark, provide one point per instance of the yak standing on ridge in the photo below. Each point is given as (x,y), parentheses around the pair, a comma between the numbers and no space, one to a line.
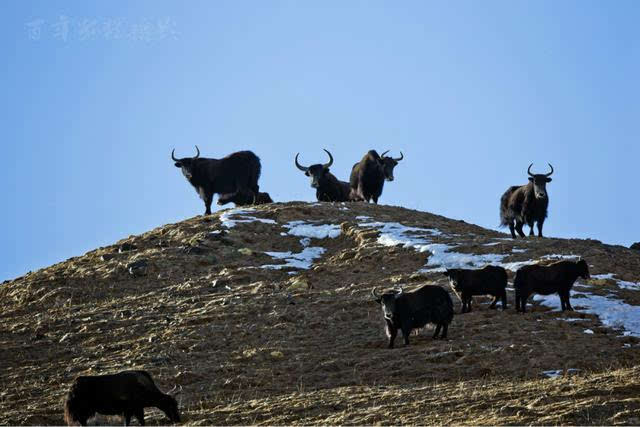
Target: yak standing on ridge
(238,172)
(328,187)
(369,174)
(526,204)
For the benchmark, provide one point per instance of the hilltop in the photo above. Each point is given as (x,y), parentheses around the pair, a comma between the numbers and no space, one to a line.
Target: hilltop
(265,316)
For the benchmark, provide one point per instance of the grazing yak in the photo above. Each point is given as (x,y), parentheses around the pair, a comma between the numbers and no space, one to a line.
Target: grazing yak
(237,172)
(245,197)
(368,175)
(490,280)
(548,279)
(126,393)
(328,187)
(526,204)
(410,310)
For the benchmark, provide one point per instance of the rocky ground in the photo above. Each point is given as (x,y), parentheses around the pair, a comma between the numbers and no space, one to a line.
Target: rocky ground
(193,304)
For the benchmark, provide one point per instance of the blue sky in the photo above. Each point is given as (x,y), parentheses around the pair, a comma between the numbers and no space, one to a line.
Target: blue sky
(471,92)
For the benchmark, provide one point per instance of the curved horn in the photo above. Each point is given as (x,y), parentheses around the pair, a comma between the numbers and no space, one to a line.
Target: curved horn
(549,174)
(373,292)
(173,157)
(328,165)
(529,170)
(399,158)
(400,293)
(299,166)
(197,155)
(382,155)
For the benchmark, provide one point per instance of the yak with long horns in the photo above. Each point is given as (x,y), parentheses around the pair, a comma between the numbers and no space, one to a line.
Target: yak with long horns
(237,173)
(328,187)
(369,174)
(526,204)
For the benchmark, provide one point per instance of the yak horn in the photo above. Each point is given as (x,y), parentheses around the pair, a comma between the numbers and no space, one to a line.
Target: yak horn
(198,150)
(549,174)
(173,157)
(399,158)
(373,292)
(299,166)
(529,170)
(399,293)
(382,155)
(328,165)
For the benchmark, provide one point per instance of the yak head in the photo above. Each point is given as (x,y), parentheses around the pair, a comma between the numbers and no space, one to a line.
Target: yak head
(387,164)
(454,277)
(387,301)
(583,269)
(169,405)
(316,172)
(186,164)
(539,181)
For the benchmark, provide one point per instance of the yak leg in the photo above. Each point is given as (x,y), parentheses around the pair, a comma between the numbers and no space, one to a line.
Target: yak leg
(127,418)
(445,328)
(523,302)
(140,415)
(519,225)
(406,331)
(469,299)
(564,301)
(494,302)
(207,198)
(438,327)
(512,229)
(540,223)
(391,334)
(530,229)
(504,299)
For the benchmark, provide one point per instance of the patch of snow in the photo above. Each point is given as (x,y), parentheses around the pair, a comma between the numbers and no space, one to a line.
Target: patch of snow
(588,331)
(442,258)
(302,260)
(304,229)
(305,242)
(515,265)
(603,276)
(492,244)
(561,257)
(628,285)
(362,217)
(571,319)
(612,312)
(229,222)
(554,374)
(518,250)
(214,232)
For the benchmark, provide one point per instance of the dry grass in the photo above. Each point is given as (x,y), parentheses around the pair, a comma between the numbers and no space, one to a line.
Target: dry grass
(248,348)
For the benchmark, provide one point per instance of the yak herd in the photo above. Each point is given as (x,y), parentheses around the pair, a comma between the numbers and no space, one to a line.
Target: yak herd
(235,179)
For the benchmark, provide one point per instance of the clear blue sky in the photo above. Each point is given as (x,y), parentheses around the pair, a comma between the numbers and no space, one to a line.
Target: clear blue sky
(470,91)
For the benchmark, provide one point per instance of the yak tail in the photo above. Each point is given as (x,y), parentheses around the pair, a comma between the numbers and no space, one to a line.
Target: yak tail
(69,417)
(505,217)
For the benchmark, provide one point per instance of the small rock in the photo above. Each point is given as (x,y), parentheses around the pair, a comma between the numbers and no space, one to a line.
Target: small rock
(126,247)
(107,257)
(298,285)
(138,268)
(245,251)
(276,354)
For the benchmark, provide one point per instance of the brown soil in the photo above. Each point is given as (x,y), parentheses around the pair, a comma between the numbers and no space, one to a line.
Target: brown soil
(256,346)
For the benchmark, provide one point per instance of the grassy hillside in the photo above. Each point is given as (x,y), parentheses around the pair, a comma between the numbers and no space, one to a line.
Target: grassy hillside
(193,304)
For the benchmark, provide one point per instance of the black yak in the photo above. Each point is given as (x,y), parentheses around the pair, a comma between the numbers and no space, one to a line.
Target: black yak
(237,172)
(548,279)
(126,393)
(328,187)
(490,280)
(414,309)
(526,204)
(368,175)
(245,197)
